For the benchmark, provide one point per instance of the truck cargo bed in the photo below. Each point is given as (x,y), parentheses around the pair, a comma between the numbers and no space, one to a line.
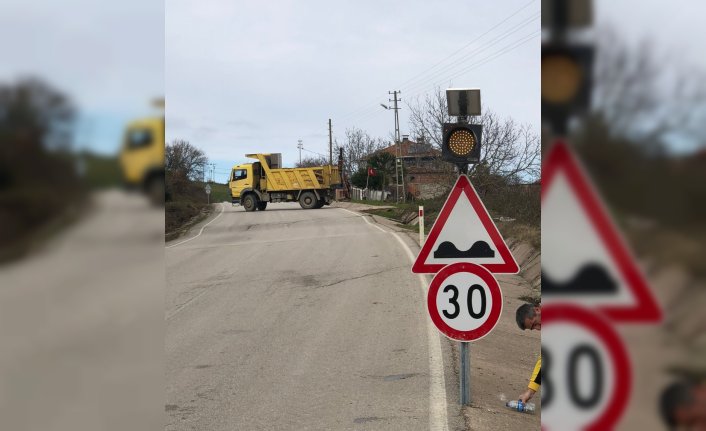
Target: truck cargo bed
(282,179)
(301,178)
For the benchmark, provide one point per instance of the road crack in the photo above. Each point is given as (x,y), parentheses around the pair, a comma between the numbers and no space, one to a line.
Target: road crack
(361,276)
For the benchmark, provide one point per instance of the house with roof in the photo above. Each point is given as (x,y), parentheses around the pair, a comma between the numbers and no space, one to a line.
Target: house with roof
(426,175)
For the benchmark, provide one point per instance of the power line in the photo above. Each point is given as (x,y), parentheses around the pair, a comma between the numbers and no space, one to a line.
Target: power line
(471,55)
(448,68)
(313,152)
(480,62)
(468,44)
(493,56)
(455,74)
(366,107)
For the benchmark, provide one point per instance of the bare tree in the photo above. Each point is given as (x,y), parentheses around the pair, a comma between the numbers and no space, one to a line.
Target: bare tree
(312,161)
(646,103)
(35,116)
(427,115)
(183,157)
(38,179)
(357,146)
(183,163)
(511,151)
(645,94)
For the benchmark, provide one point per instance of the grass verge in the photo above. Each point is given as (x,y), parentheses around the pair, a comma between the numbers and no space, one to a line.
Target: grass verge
(190,206)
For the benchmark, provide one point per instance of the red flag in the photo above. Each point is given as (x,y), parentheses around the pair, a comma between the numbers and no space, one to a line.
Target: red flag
(371,172)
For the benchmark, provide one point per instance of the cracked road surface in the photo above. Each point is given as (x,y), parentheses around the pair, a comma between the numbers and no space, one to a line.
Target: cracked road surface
(298,319)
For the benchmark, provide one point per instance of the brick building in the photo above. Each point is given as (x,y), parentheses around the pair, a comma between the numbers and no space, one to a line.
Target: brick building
(426,176)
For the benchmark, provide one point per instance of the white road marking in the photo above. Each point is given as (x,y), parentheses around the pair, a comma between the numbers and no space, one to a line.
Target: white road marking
(438,420)
(366,220)
(201,231)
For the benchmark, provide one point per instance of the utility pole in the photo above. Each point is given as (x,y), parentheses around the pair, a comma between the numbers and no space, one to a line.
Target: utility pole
(399,172)
(330,144)
(300,146)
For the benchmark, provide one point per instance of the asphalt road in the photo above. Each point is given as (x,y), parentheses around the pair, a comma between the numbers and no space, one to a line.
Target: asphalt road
(301,320)
(81,323)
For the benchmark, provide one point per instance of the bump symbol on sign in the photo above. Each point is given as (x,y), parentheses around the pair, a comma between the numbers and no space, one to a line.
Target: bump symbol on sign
(448,250)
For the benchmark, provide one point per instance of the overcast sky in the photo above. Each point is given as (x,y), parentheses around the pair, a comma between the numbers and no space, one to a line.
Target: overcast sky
(253,76)
(246,76)
(675,35)
(107,56)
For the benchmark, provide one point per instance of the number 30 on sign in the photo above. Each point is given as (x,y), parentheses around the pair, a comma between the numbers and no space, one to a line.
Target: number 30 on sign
(464,301)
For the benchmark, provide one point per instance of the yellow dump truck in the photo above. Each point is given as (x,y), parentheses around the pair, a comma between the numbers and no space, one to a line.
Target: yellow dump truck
(256,184)
(142,157)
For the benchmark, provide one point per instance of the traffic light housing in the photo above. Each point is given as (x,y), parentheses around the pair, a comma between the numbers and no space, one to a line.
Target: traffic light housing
(461,143)
(566,82)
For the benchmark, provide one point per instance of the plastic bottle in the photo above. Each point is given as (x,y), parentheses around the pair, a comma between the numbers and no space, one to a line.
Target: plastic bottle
(520,406)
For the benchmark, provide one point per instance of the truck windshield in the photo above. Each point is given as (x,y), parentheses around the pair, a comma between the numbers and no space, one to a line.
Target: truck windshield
(138,138)
(239,174)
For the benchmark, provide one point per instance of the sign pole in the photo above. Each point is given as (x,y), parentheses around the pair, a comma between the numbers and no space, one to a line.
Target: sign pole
(465,374)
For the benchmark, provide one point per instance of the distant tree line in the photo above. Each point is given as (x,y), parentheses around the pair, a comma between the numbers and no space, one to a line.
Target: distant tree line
(39,181)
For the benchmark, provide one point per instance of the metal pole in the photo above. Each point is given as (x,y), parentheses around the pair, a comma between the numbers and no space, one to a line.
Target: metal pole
(399,168)
(465,374)
(330,144)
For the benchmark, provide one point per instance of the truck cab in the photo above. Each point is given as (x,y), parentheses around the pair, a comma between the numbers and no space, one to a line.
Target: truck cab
(142,157)
(242,177)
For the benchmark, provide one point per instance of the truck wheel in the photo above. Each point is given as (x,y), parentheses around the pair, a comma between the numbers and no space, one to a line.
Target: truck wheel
(250,202)
(319,204)
(307,200)
(261,205)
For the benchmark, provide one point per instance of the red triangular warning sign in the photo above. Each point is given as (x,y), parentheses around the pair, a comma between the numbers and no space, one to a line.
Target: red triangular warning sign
(464,232)
(584,259)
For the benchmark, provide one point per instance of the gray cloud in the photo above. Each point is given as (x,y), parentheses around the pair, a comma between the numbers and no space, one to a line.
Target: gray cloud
(283,77)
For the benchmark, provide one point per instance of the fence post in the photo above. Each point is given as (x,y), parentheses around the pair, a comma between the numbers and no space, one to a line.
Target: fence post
(421,226)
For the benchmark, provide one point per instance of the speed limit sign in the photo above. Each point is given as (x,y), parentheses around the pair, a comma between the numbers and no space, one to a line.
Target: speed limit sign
(586,375)
(464,301)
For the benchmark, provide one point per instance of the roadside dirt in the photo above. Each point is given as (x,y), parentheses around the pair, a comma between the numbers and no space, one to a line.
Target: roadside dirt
(668,352)
(178,222)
